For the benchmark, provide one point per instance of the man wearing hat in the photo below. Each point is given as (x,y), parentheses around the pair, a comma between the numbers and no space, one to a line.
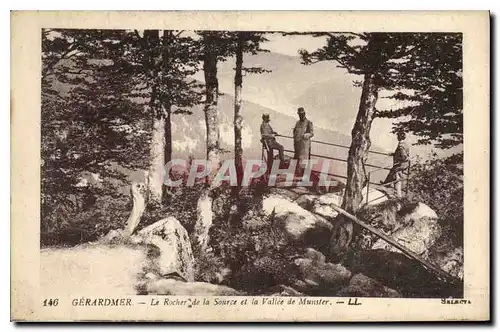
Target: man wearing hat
(269,137)
(401,162)
(302,133)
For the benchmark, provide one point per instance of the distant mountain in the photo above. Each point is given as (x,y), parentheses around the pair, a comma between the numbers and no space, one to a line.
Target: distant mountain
(189,134)
(325,91)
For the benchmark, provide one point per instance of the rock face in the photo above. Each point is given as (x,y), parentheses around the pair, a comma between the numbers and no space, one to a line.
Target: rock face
(323,205)
(306,201)
(363,286)
(176,287)
(418,230)
(298,223)
(175,255)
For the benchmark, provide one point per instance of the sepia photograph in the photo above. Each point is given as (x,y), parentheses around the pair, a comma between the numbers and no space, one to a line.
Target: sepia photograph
(211,167)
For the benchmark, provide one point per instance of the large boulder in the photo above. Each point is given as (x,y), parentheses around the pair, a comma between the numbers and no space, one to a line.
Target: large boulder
(306,201)
(418,230)
(174,256)
(298,223)
(177,287)
(323,205)
(363,286)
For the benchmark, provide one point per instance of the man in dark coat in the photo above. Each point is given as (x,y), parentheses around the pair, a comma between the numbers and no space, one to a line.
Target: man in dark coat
(401,161)
(269,137)
(302,133)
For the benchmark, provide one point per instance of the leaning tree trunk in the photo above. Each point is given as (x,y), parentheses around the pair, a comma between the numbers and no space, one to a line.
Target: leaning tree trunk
(356,177)
(238,119)
(138,206)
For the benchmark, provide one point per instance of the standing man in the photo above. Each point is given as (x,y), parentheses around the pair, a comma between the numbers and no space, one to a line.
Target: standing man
(401,161)
(268,136)
(302,133)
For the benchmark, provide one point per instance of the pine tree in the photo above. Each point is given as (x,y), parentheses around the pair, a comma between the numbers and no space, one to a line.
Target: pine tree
(120,86)
(84,129)
(418,67)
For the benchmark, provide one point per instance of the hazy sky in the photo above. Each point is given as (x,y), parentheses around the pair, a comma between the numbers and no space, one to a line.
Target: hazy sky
(290,45)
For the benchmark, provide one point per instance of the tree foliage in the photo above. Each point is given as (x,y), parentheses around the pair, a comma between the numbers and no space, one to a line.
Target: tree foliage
(439,183)
(100,92)
(422,69)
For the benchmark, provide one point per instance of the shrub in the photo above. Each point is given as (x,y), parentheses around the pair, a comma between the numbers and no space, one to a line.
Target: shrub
(439,184)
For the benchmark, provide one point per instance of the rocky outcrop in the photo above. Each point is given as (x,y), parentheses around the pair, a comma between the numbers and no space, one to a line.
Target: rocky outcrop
(298,223)
(323,205)
(306,201)
(174,255)
(363,286)
(417,230)
(412,224)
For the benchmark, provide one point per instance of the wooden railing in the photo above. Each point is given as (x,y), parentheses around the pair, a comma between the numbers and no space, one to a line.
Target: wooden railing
(265,148)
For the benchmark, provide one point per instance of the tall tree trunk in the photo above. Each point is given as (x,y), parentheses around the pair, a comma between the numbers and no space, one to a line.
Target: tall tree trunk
(168,133)
(167,102)
(156,155)
(238,119)
(211,102)
(204,210)
(356,177)
(157,159)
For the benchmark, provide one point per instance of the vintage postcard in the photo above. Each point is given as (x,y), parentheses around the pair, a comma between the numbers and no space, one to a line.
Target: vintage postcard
(250,166)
